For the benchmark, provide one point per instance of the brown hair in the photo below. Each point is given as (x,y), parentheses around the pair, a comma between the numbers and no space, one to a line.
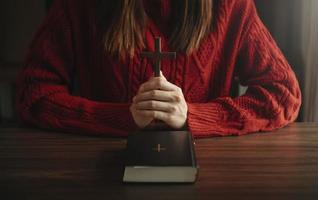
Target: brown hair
(124,23)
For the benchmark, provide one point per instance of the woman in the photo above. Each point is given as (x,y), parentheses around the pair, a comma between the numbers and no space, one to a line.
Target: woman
(84,72)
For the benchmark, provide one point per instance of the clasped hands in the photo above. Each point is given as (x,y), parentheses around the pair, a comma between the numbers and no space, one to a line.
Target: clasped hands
(158,99)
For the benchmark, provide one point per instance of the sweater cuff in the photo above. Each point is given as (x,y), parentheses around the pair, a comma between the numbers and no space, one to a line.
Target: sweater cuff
(203,118)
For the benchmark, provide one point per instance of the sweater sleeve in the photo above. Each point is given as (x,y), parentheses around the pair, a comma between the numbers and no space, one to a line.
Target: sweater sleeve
(273,97)
(44,87)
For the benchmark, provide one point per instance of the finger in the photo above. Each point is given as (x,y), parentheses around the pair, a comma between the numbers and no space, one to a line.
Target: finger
(156,105)
(158,95)
(157,83)
(160,115)
(132,108)
(161,75)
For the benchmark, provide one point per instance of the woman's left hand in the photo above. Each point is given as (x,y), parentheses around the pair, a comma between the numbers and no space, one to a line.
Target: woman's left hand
(162,100)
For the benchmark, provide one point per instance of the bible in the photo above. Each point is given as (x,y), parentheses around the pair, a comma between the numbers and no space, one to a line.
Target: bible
(160,156)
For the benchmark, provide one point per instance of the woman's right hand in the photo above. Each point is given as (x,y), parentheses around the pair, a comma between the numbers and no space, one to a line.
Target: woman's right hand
(160,102)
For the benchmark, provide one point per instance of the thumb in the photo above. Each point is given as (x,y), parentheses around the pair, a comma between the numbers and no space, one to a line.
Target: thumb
(161,75)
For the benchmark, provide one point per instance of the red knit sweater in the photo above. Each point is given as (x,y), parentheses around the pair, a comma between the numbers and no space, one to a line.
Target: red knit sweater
(68,48)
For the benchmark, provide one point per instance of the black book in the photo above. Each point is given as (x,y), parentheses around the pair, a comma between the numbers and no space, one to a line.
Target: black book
(160,156)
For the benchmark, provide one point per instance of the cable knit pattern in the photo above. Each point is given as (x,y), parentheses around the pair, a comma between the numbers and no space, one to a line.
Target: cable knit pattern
(68,47)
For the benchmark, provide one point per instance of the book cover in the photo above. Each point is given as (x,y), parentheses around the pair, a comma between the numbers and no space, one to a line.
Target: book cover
(160,156)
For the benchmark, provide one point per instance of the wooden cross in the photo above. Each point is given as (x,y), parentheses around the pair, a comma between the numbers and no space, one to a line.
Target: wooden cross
(159,148)
(157,56)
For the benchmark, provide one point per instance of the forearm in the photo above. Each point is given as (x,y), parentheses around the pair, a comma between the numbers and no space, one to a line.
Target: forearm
(260,109)
(63,112)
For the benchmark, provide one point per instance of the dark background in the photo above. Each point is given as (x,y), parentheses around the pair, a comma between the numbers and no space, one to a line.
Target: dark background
(20,18)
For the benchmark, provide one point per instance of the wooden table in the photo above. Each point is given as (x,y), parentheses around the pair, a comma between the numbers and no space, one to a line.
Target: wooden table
(37,164)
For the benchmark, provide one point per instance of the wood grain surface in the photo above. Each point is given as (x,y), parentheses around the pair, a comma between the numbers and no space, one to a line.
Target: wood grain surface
(37,164)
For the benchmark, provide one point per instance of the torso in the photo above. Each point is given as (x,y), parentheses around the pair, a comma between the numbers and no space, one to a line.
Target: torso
(203,75)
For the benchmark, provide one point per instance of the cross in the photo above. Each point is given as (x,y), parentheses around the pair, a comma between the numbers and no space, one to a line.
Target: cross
(158,55)
(158,149)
